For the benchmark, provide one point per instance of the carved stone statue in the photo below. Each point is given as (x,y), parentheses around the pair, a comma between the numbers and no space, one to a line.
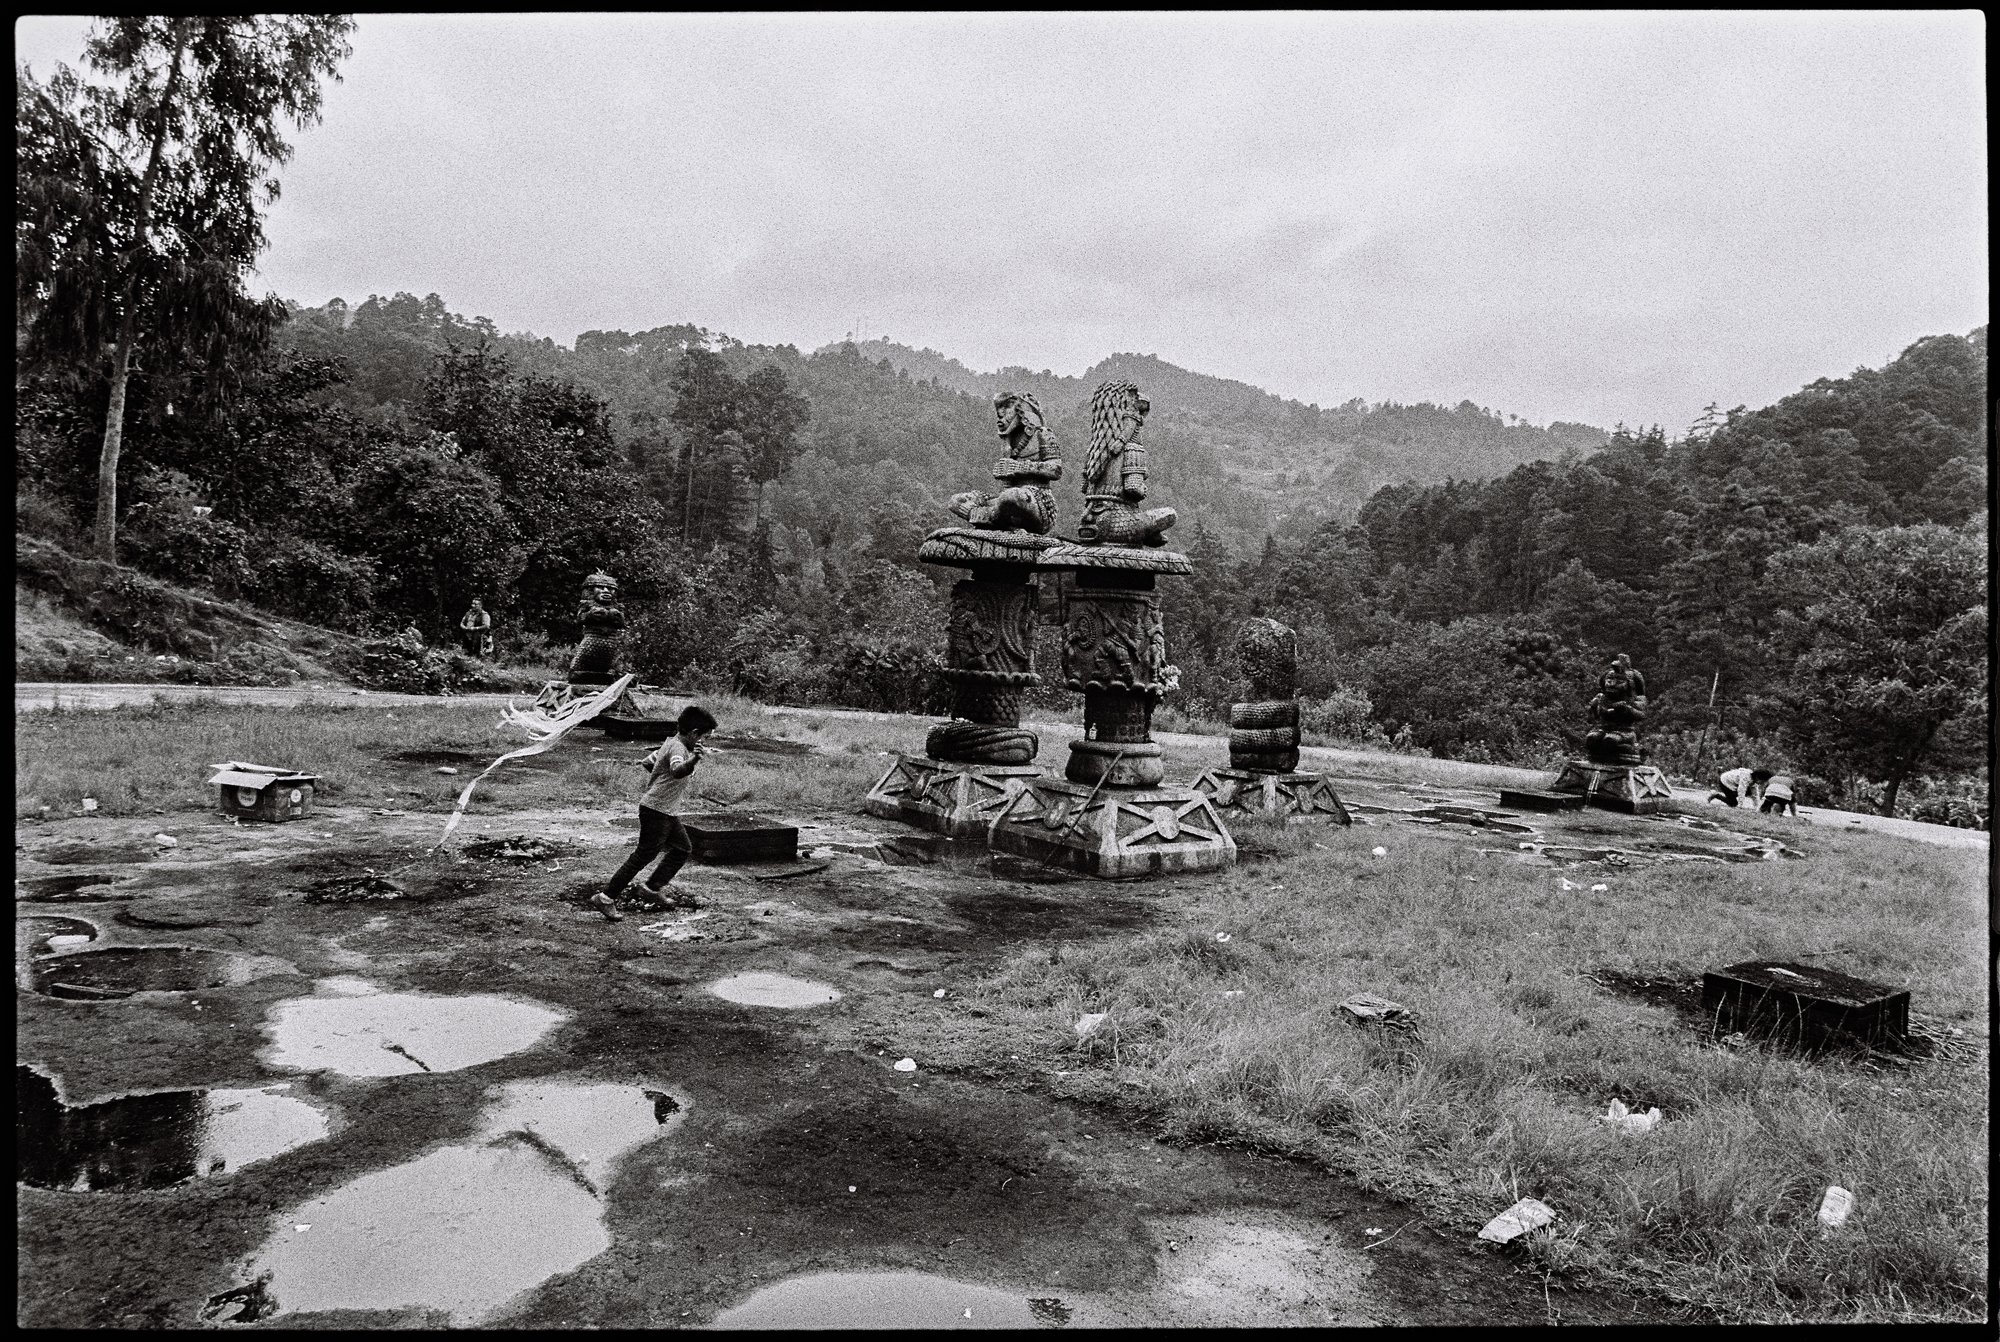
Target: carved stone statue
(1114,473)
(1264,731)
(1030,466)
(595,661)
(1615,713)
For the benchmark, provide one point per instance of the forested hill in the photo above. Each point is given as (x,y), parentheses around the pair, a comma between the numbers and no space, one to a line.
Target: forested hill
(1301,460)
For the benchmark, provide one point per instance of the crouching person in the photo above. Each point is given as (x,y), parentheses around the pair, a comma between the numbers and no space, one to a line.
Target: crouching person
(660,829)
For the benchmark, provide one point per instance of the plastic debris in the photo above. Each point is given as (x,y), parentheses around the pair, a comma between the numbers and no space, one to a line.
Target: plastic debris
(1631,1120)
(1222,936)
(1599,889)
(1568,884)
(907,1065)
(1372,1230)
(89,804)
(446,769)
(166,841)
(852,1189)
(1835,1207)
(938,993)
(301,1229)
(1089,1021)
(1519,1219)
(1367,1006)
(1380,851)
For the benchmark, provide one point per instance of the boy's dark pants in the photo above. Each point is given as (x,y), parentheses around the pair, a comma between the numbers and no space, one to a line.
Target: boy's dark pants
(658,831)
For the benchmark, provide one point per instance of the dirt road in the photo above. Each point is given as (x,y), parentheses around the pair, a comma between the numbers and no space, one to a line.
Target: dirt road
(1364,763)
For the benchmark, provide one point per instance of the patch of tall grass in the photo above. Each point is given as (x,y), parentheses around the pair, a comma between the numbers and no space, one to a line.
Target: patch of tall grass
(1515,1055)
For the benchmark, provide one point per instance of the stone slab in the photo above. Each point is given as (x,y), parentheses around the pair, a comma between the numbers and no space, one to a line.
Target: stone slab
(1804,1004)
(955,799)
(1114,833)
(1298,797)
(727,836)
(1540,801)
(965,547)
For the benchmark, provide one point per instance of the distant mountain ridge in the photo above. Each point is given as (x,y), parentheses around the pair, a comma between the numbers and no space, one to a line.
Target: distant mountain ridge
(1301,458)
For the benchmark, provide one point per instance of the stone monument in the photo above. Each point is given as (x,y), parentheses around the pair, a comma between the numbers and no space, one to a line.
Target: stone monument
(596,656)
(1613,772)
(974,763)
(1111,814)
(1262,777)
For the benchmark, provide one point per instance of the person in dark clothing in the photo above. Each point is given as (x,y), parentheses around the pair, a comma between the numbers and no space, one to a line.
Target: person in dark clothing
(660,828)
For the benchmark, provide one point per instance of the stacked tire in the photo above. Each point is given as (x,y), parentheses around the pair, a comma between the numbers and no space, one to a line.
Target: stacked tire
(1264,735)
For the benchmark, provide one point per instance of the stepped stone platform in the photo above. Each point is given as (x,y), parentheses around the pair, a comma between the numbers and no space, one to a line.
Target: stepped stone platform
(1632,788)
(1297,797)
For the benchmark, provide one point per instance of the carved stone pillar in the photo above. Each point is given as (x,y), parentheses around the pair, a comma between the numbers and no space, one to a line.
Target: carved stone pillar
(1112,655)
(989,654)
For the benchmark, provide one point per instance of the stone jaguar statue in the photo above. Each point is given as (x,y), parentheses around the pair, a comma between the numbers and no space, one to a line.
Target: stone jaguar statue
(1114,473)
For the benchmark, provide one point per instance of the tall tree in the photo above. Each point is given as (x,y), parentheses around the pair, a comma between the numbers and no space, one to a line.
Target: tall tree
(139,188)
(1889,648)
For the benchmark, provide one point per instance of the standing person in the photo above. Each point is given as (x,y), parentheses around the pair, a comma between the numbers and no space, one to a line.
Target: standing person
(660,828)
(1778,796)
(1731,785)
(475,630)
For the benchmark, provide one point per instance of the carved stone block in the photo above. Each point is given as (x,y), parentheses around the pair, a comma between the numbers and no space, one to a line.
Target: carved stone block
(960,800)
(1632,788)
(1114,833)
(1299,798)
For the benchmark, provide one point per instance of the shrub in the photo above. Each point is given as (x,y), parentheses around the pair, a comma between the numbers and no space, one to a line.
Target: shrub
(309,581)
(170,540)
(1344,714)
(40,514)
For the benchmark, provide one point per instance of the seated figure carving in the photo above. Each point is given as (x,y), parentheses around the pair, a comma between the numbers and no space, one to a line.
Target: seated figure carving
(1615,713)
(1032,463)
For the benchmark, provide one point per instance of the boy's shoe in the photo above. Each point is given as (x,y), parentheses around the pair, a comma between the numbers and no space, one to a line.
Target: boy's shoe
(602,903)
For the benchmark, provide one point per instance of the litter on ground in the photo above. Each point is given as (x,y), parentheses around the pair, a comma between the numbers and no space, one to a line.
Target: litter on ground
(1517,1220)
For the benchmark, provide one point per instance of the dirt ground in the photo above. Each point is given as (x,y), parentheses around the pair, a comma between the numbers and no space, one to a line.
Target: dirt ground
(796,1145)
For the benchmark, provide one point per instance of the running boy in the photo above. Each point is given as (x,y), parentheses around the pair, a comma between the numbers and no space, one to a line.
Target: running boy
(660,828)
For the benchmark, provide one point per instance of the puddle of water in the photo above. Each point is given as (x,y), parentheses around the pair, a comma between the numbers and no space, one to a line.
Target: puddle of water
(119,972)
(151,1141)
(357,1030)
(774,990)
(465,1228)
(889,1300)
(32,935)
(81,888)
(76,854)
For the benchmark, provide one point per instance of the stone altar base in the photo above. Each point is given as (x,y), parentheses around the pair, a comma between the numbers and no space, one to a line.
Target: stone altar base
(1297,797)
(1114,832)
(960,800)
(1632,788)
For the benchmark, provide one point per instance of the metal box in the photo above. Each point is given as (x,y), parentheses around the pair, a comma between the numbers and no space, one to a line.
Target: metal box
(258,792)
(1804,1004)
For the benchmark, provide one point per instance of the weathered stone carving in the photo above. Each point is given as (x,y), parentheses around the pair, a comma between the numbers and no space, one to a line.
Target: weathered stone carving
(1615,713)
(1029,468)
(596,657)
(1114,473)
(989,657)
(1264,736)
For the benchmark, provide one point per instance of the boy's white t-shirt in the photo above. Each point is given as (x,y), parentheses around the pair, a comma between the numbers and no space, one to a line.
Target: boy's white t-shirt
(1737,780)
(664,792)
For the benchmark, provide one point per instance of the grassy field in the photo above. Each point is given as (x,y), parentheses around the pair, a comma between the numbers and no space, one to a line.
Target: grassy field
(1223,1021)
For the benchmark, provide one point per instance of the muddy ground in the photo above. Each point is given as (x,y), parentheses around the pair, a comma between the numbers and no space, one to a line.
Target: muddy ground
(785,1141)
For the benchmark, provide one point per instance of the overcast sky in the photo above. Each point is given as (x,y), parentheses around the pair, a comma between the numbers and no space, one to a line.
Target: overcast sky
(1579,216)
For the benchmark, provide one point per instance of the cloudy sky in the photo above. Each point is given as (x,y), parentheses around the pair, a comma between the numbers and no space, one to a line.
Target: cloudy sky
(1580,216)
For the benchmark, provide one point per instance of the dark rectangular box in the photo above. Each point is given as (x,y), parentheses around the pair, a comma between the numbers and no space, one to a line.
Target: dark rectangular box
(1804,1004)
(1541,801)
(724,836)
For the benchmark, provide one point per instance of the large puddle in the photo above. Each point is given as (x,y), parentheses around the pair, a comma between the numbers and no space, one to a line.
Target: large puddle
(44,933)
(87,887)
(151,1141)
(356,1029)
(465,1228)
(774,990)
(890,1300)
(121,971)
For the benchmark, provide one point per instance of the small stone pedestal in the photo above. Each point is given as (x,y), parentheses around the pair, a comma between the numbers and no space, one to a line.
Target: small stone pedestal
(1296,797)
(1632,788)
(1804,1005)
(1114,832)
